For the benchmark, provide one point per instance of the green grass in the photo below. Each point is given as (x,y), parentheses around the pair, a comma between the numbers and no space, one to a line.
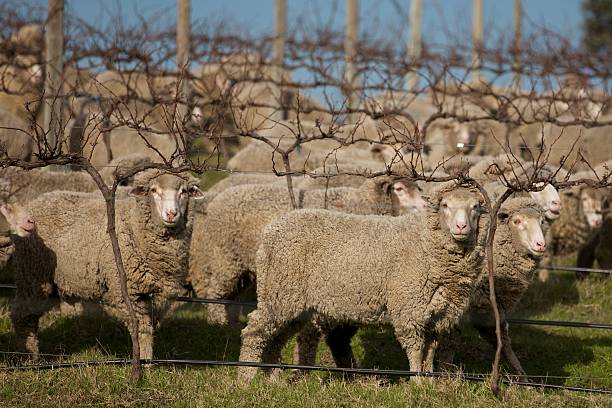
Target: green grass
(583,355)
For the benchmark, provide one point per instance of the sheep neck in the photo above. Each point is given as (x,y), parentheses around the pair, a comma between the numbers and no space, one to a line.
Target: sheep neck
(159,253)
(512,275)
(454,271)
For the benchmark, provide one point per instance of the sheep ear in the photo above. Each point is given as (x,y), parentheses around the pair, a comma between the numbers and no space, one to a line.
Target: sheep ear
(138,191)
(503,217)
(385,185)
(6,210)
(196,193)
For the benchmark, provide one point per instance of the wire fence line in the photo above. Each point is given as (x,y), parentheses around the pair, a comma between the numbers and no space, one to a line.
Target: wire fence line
(477,377)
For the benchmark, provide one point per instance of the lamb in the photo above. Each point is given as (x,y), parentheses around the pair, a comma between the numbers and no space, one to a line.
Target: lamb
(154,230)
(519,244)
(416,273)
(226,239)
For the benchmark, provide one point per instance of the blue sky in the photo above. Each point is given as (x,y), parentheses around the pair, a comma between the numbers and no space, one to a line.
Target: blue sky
(444,21)
(441,19)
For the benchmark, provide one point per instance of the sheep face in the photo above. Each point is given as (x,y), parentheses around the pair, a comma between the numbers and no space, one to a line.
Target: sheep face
(18,219)
(526,230)
(548,199)
(465,137)
(409,198)
(458,212)
(590,206)
(169,195)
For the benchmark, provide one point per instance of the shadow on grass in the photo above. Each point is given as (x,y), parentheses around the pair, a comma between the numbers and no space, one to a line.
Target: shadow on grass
(185,335)
(541,297)
(540,351)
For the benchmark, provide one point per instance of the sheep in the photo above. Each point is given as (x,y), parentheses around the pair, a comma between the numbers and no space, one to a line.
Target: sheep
(416,273)
(154,229)
(22,77)
(579,222)
(240,179)
(26,185)
(562,144)
(14,219)
(257,155)
(358,168)
(226,239)
(488,171)
(518,246)
(15,142)
(603,251)
(446,138)
(598,248)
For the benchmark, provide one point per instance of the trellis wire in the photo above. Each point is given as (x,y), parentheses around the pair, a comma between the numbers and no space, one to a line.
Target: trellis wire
(574,269)
(359,371)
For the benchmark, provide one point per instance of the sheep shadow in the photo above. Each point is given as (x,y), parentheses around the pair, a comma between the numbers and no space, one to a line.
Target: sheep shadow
(541,352)
(183,335)
(541,297)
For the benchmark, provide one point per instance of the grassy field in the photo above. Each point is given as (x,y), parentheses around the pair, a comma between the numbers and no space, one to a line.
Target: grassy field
(582,355)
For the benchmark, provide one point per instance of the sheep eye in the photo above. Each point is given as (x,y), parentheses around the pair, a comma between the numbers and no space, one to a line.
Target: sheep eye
(444,205)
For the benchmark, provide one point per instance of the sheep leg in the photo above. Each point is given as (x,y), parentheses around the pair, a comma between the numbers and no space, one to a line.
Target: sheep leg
(144,313)
(413,344)
(488,333)
(428,353)
(338,340)
(145,329)
(25,324)
(305,352)
(272,353)
(446,349)
(586,256)
(255,338)
(221,289)
(509,352)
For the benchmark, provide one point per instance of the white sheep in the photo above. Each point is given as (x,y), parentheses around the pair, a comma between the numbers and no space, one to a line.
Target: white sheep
(154,230)
(417,274)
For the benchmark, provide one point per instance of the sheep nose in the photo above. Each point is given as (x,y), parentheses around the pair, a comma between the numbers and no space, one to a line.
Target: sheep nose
(540,245)
(461,226)
(555,204)
(170,215)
